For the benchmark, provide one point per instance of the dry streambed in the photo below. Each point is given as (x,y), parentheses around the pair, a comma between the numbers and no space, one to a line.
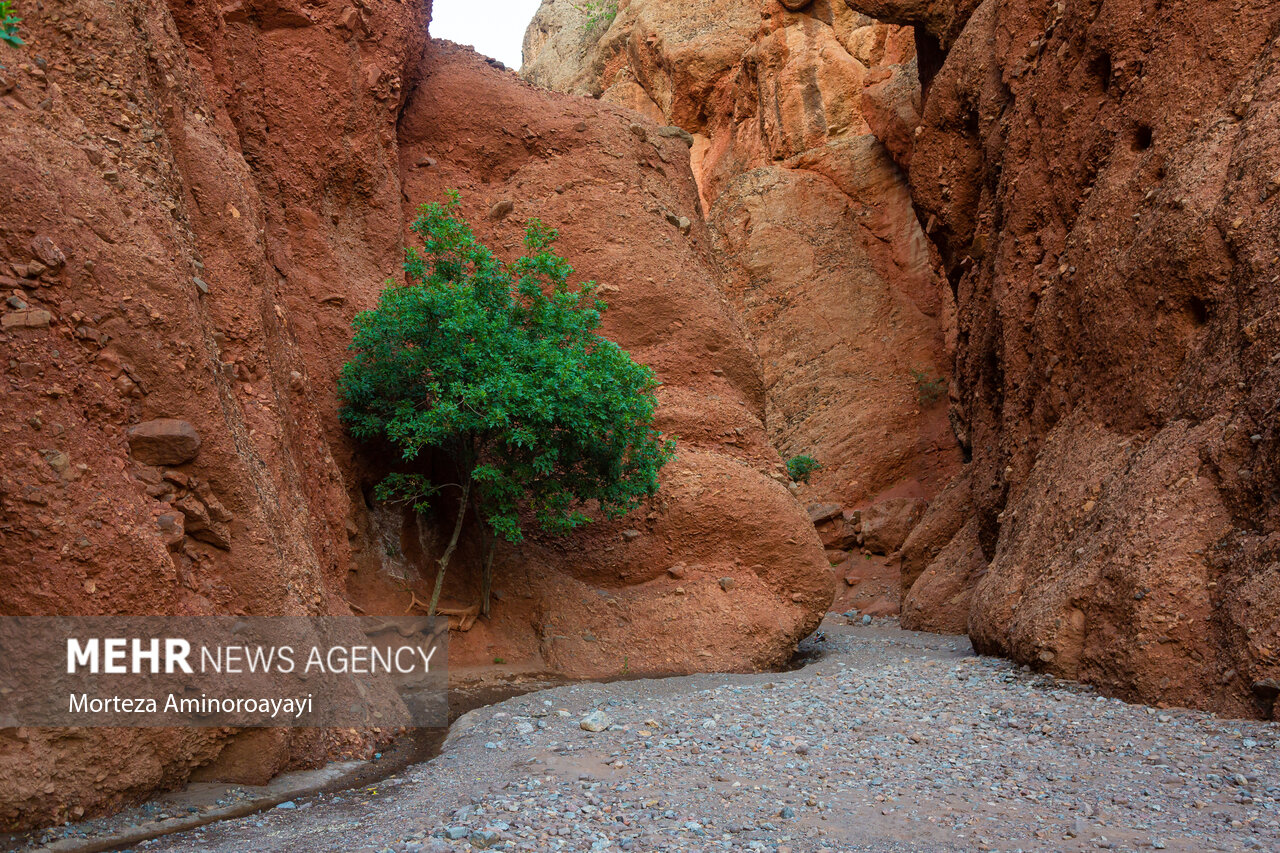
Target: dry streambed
(890,741)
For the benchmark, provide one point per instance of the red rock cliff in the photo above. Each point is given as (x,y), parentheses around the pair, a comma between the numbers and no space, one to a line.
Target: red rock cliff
(1101,180)
(809,212)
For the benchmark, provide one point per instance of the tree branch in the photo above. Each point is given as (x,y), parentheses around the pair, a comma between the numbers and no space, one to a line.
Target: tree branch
(448,552)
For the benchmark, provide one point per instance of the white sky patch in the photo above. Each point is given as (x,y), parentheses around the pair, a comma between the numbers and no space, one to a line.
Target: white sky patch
(493,27)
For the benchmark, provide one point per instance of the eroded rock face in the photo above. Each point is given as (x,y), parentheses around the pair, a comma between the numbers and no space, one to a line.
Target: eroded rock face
(887,524)
(808,211)
(175,216)
(1101,183)
(624,200)
(191,225)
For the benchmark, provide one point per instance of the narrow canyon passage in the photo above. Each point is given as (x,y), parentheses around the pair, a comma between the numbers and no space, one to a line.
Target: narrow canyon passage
(963,317)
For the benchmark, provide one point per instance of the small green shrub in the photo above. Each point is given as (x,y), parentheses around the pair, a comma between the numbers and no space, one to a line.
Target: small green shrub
(929,389)
(9,24)
(600,14)
(800,467)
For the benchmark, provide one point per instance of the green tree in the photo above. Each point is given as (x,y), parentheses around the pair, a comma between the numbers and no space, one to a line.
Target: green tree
(500,367)
(800,467)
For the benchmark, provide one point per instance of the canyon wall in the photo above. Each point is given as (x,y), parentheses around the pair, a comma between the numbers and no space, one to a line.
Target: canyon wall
(809,212)
(178,205)
(724,570)
(811,218)
(1100,179)
(197,198)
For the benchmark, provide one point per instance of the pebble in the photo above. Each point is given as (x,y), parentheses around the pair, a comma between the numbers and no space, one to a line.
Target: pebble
(596,721)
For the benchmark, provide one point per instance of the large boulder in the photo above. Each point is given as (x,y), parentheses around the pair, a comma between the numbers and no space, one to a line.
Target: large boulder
(939,599)
(944,518)
(886,524)
(164,441)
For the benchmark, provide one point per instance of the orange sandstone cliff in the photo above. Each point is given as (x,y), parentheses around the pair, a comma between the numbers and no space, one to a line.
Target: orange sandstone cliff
(811,218)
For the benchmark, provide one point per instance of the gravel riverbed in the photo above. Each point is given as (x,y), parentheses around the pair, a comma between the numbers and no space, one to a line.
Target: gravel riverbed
(889,741)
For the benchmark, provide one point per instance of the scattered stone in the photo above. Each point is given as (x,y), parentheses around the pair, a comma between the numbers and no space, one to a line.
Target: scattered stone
(596,721)
(200,524)
(671,132)
(48,253)
(29,319)
(727,584)
(483,838)
(287,804)
(172,528)
(819,513)
(57,460)
(164,441)
(501,210)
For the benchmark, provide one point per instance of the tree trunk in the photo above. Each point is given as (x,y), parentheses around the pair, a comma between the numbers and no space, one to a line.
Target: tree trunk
(488,545)
(486,579)
(448,553)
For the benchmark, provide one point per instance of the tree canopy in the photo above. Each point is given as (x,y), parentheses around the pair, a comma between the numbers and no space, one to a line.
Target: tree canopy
(500,367)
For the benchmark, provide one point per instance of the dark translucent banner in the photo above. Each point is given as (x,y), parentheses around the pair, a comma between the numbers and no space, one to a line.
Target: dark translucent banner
(222,671)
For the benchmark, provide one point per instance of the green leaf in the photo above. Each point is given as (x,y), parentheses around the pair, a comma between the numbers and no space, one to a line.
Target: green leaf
(500,368)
